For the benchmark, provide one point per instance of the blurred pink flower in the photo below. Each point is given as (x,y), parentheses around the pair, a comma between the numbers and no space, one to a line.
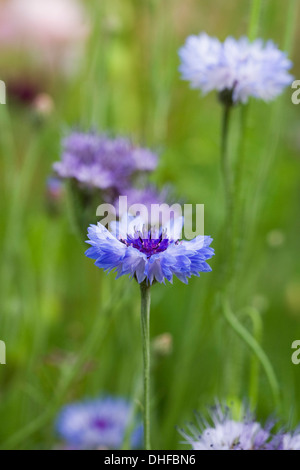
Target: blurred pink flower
(51,31)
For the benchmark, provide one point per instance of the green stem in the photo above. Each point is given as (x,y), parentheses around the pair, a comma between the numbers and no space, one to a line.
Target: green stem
(239,191)
(240,164)
(228,190)
(254,20)
(275,128)
(225,164)
(256,348)
(239,188)
(145,324)
(257,328)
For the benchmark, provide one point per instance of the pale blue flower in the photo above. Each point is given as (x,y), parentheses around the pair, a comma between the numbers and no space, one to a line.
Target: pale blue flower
(238,67)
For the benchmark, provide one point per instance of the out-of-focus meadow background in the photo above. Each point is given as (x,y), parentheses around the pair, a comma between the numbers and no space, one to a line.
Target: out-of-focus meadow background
(71,331)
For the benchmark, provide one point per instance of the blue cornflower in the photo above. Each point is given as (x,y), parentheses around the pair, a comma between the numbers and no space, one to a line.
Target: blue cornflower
(238,68)
(148,254)
(97,161)
(97,424)
(226,433)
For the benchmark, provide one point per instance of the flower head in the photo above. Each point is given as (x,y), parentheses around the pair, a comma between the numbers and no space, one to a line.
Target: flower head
(97,424)
(225,433)
(238,68)
(96,161)
(147,253)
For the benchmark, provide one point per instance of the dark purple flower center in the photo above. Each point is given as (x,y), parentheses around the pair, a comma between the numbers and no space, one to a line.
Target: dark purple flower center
(148,246)
(101,424)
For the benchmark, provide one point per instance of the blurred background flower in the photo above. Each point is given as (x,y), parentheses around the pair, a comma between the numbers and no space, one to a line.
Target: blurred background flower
(97,161)
(223,432)
(42,45)
(99,169)
(49,32)
(98,424)
(238,68)
(228,430)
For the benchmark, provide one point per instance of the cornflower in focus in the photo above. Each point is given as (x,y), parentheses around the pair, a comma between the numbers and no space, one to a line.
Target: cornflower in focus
(148,254)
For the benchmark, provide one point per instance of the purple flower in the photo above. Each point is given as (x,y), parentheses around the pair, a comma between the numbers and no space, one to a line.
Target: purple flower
(226,433)
(239,68)
(97,161)
(97,424)
(148,254)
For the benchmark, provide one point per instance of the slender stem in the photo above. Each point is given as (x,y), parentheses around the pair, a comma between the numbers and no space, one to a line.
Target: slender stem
(145,323)
(227,179)
(239,184)
(239,191)
(240,164)
(254,20)
(256,349)
(257,329)
(228,190)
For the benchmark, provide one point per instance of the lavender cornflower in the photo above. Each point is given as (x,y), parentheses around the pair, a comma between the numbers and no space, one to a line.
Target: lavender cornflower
(225,433)
(237,69)
(97,161)
(97,424)
(148,254)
